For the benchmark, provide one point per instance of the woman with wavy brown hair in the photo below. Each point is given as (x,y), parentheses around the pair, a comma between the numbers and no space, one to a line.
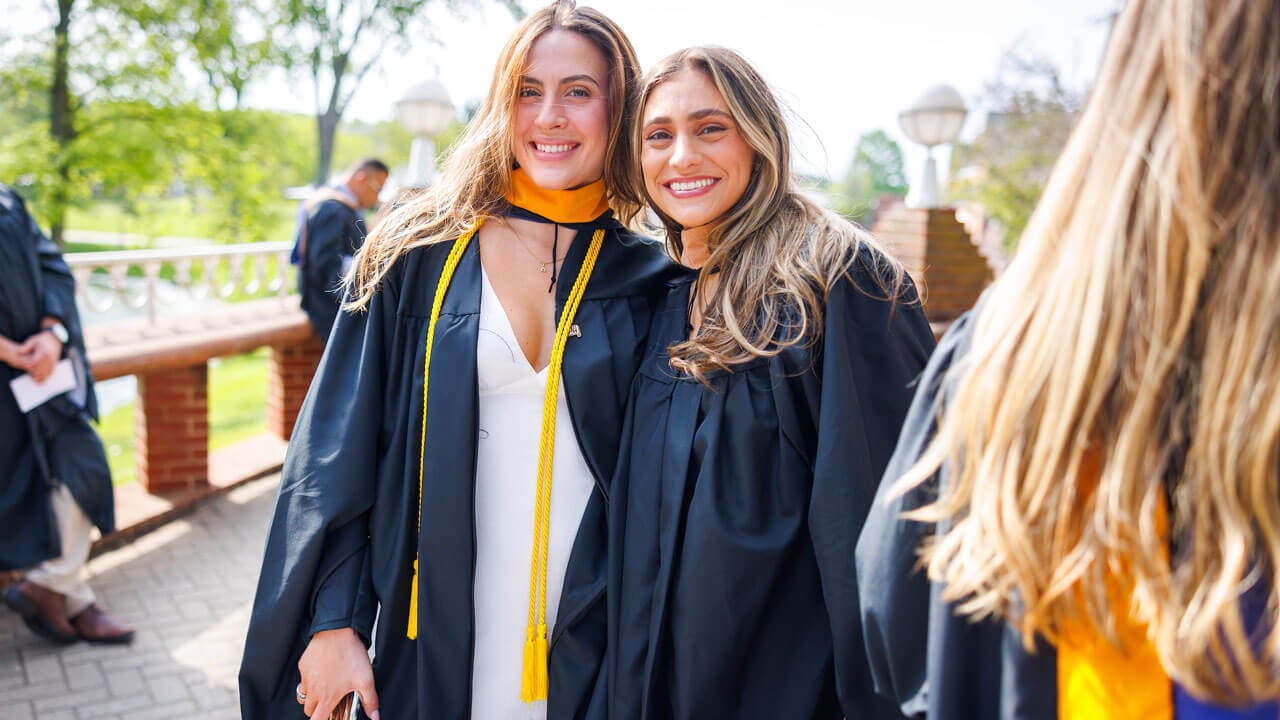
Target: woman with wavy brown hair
(1090,471)
(776,378)
(491,330)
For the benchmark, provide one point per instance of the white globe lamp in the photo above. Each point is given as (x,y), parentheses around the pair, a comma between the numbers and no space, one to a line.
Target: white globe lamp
(935,118)
(424,110)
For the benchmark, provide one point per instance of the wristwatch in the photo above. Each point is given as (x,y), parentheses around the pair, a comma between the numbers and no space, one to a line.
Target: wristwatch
(59,331)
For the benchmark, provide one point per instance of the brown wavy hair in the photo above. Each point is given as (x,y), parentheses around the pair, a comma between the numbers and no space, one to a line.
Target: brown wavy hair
(776,252)
(1127,365)
(476,176)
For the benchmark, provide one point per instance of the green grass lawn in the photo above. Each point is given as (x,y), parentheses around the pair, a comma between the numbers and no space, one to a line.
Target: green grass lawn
(161,217)
(81,247)
(237,410)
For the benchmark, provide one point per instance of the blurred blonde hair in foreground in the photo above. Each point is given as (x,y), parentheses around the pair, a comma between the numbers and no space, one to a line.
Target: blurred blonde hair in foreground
(1128,361)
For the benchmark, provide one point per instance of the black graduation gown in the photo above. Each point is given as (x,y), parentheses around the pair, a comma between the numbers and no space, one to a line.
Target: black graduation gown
(931,661)
(342,538)
(334,229)
(54,443)
(734,513)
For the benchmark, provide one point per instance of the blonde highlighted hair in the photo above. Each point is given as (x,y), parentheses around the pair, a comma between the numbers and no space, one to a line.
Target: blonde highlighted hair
(1126,367)
(776,252)
(476,176)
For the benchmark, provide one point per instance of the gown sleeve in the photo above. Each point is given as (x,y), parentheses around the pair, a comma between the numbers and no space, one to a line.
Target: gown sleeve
(872,354)
(327,230)
(895,594)
(315,573)
(58,299)
(59,285)
(344,596)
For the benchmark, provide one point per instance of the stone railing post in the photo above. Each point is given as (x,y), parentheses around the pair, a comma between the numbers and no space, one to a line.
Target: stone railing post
(172,428)
(200,273)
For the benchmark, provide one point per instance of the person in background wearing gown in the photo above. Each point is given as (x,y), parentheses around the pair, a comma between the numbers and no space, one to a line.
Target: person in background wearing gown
(514,288)
(1089,472)
(330,229)
(777,375)
(56,485)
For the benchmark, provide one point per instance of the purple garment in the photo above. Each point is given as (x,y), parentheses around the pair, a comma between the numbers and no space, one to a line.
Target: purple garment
(1186,707)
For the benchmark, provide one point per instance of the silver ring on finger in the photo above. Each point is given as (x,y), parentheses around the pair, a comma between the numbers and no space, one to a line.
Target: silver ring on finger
(302,696)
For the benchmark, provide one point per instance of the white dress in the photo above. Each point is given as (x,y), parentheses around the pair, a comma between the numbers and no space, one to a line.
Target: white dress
(510,423)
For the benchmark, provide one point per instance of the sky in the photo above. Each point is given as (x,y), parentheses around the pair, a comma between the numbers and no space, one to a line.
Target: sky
(844,67)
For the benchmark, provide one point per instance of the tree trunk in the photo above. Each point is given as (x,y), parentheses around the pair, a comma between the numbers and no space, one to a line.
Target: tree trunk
(327,121)
(326,128)
(61,122)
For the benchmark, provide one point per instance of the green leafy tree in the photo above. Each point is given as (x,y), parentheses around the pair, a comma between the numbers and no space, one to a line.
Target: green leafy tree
(339,42)
(875,172)
(357,140)
(91,53)
(231,41)
(238,168)
(240,155)
(1030,115)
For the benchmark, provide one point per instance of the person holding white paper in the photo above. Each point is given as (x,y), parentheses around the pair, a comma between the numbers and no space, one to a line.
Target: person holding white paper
(56,484)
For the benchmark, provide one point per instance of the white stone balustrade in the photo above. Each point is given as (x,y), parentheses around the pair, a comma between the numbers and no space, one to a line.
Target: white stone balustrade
(209,272)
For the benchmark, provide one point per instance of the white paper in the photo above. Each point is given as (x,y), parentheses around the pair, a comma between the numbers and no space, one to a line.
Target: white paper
(31,394)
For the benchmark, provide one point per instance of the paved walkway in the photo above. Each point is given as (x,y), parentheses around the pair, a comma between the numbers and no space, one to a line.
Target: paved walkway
(187,588)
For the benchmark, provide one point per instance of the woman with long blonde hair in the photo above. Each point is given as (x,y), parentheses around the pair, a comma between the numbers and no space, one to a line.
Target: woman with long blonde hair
(1089,473)
(492,326)
(777,376)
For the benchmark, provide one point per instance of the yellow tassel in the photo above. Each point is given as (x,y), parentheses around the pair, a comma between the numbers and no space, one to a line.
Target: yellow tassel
(540,664)
(413,604)
(528,681)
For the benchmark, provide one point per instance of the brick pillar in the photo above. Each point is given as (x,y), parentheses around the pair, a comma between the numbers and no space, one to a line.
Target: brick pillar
(172,428)
(289,372)
(939,255)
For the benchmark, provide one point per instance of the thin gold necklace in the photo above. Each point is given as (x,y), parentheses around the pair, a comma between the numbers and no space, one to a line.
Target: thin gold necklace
(542,265)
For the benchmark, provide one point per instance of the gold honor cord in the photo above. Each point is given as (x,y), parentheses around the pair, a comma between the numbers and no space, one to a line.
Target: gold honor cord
(533,683)
(442,287)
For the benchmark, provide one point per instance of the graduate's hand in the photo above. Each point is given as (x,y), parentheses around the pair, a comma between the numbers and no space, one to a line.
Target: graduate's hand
(41,352)
(11,355)
(335,663)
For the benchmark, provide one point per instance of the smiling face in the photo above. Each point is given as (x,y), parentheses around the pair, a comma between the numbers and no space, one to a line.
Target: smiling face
(696,162)
(562,112)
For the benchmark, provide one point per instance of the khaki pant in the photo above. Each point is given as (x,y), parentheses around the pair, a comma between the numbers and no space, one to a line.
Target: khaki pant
(65,574)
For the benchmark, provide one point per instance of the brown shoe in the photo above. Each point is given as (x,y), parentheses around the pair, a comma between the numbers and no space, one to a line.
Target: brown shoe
(94,625)
(43,610)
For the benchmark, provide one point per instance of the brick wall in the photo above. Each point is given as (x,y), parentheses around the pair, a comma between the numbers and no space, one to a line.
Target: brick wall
(172,428)
(289,372)
(169,358)
(939,255)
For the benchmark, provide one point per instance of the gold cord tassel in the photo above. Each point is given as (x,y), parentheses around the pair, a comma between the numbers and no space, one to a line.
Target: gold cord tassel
(540,664)
(527,680)
(413,604)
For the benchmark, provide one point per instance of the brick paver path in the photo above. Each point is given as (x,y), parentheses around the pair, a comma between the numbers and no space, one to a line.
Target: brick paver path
(187,588)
